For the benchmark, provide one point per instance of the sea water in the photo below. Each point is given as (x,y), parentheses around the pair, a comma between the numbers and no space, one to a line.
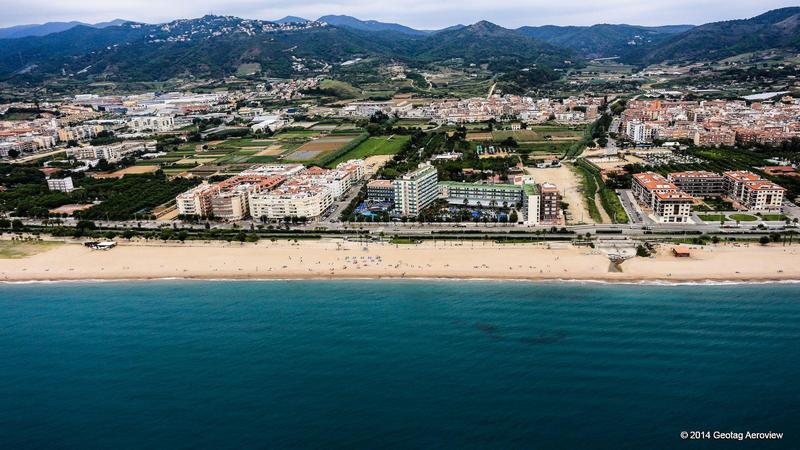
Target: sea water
(396,364)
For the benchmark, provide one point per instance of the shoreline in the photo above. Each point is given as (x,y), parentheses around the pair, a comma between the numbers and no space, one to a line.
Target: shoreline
(625,282)
(334,259)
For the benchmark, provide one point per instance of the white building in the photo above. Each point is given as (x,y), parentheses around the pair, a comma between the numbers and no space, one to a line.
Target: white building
(291,200)
(197,200)
(111,153)
(416,190)
(60,184)
(151,123)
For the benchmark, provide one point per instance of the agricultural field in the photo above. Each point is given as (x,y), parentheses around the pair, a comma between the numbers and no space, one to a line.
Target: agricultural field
(372,147)
(317,148)
(412,123)
(539,141)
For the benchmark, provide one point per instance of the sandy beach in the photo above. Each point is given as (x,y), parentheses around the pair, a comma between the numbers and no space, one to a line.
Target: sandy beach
(340,259)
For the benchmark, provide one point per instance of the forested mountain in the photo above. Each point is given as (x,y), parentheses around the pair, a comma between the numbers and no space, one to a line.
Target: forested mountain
(215,46)
(20,31)
(779,28)
(369,25)
(605,40)
(486,42)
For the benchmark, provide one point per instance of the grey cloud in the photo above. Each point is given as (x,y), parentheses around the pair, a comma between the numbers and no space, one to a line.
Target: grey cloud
(416,13)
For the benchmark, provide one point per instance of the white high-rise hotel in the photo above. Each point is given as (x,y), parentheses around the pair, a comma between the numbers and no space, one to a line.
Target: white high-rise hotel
(416,190)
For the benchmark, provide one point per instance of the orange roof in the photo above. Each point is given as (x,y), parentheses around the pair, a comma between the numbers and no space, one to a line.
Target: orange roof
(742,175)
(654,181)
(695,174)
(674,195)
(765,186)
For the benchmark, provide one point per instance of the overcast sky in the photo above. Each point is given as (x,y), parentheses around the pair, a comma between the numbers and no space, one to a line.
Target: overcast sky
(416,13)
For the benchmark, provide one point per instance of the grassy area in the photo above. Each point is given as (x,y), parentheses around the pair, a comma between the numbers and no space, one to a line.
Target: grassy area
(712,217)
(372,147)
(248,69)
(404,241)
(773,217)
(339,89)
(608,198)
(743,218)
(23,249)
(588,189)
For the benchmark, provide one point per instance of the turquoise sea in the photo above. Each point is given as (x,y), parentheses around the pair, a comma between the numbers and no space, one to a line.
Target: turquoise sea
(396,364)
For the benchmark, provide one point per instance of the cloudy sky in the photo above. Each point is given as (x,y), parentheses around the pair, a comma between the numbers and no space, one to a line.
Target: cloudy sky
(415,13)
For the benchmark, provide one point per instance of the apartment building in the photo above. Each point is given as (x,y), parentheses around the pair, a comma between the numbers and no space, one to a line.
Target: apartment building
(550,209)
(416,190)
(763,196)
(111,153)
(735,182)
(668,203)
(673,207)
(151,123)
(232,200)
(698,183)
(640,132)
(646,184)
(197,200)
(532,202)
(291,199)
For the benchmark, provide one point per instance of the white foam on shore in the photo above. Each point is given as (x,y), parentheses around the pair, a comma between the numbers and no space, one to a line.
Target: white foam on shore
(665,283)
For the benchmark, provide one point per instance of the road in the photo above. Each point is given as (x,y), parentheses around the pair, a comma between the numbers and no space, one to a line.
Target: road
(37,156)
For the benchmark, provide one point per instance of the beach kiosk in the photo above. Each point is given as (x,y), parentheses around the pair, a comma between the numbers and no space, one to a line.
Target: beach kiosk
(681,252)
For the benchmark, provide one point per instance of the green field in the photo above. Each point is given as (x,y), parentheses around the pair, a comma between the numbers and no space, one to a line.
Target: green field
(372,147)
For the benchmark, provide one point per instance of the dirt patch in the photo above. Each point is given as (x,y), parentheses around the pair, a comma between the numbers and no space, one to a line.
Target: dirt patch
(272,150)
(374,163)
(479,136)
